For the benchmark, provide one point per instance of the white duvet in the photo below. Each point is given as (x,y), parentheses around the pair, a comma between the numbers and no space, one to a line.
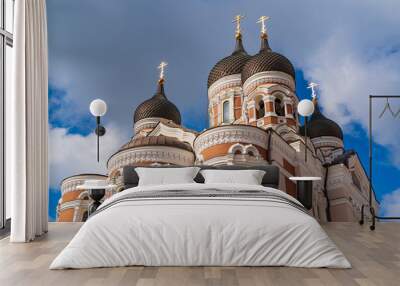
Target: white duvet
(188,231)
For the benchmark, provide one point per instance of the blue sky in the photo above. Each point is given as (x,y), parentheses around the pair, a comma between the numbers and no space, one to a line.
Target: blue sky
(110,50)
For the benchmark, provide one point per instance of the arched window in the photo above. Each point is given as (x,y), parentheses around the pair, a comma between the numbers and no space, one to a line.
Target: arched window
(226,118)
(279,109)
(251,151)
(260,110)
(236,149)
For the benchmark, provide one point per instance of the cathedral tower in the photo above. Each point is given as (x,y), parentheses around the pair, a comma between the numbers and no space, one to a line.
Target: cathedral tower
(268,80)
(158,108)
(325,134)
(225,94)
(159,138)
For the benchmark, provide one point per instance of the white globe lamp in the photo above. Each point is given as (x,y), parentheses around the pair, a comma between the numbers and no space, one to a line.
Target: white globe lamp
(305,108)
(98,108)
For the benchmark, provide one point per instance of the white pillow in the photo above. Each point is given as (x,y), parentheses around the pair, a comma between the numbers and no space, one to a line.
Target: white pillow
(163,176)
(247,177)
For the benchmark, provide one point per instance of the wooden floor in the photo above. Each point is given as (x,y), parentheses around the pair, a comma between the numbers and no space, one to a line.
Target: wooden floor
(375,257)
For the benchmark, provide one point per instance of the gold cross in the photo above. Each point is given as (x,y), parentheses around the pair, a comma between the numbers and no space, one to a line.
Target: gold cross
(161,68)
(312,86)
(237,20)
(262,20)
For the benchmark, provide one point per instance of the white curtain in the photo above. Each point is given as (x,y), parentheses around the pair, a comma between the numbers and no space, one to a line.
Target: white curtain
(27,123)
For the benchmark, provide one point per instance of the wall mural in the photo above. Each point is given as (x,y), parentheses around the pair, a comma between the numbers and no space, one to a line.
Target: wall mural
(246,112)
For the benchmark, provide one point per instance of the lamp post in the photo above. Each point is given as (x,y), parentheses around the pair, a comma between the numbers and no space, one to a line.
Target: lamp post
(98,108)
(305,109)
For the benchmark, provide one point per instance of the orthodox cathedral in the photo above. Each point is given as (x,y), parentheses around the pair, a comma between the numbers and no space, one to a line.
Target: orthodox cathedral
(252,109)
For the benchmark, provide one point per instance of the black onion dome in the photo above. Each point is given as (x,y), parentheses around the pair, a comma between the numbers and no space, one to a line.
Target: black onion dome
(230,65)
(319,126)
(158,106)
(267,60)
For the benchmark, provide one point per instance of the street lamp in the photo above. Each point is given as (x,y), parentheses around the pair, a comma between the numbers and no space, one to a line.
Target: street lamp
(98,108)
(305,108)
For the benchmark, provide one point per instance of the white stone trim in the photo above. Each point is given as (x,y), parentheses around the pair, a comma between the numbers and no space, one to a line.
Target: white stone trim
(269,113)
(179,133)
(287,132)
(269,98)
(236,147)
(229,81)
(277,87)
(76,214)
(70,184)
(83,194)
(73,204)
(146,123)
(287,100)
(230,134)
(251,104)
(162,154)
(268,77)
(244,149)
(251,148)
(231,159)
(327,141)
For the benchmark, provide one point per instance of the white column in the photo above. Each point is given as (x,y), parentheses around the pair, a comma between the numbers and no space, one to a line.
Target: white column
(267,99)
(287,101)
(252,105)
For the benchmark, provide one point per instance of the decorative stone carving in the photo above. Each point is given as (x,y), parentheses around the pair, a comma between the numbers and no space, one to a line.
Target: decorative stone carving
(268,77)
(184,135)
(71,183)
(163,154)
(230,134)
(231,159)
(147,123)
(327,141)
(244,150)
(231,81)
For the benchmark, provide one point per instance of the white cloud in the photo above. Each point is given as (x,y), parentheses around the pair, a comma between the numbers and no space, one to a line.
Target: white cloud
(71,154)
(349,47)
(348,73)
(390,204)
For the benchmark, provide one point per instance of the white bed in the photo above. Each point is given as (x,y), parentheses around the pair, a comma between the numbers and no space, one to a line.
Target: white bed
(203,225)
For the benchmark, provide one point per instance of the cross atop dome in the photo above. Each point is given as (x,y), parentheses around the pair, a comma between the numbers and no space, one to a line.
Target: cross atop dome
(237,20)
(312,86)
(161,67)
(262,21)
